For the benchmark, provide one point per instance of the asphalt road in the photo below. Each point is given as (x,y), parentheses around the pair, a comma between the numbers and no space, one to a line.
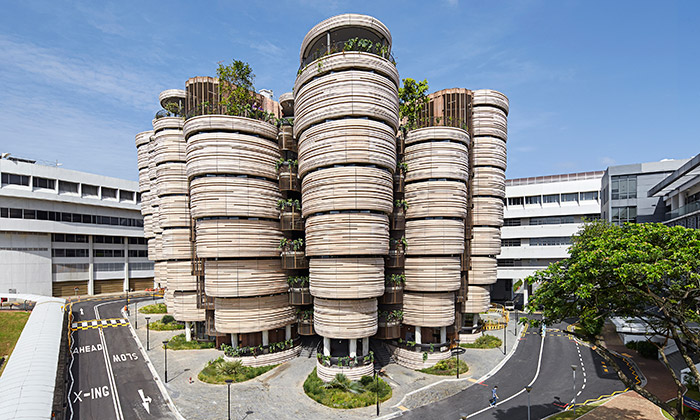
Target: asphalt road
(551,379)
(111,380)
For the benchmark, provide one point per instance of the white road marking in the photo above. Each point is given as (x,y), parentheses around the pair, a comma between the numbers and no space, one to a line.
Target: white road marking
(110,373)
(146,401)
(81,311)
(537,373)
(77,396)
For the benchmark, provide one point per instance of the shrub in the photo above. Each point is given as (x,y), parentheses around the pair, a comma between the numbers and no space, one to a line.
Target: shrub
(484,342)
(218,370)
(167,319)
(158,308)
(178,342)
(447,367)
(344,393)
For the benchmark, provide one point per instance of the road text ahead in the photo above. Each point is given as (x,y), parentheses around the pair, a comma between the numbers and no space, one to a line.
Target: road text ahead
(87,349)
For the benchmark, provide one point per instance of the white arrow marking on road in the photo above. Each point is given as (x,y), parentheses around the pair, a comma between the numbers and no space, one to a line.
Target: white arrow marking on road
(146,401)
(81,311)
(77,396)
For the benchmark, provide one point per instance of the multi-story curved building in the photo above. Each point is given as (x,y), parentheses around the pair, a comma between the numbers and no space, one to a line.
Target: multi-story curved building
(346,118)
(371,231)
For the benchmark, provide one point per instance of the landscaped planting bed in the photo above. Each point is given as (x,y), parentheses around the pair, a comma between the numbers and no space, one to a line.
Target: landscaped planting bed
(344,393)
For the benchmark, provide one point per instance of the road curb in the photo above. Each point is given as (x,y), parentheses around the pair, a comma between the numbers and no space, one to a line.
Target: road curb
(158,381)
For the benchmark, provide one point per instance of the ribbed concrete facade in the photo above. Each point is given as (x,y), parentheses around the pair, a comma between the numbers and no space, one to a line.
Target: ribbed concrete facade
(335,217)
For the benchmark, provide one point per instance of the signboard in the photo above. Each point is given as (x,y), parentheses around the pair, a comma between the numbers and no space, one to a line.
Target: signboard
(457,351)
(691,403)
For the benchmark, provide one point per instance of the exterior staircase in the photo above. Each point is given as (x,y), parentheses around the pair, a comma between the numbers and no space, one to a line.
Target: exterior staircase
(382,357)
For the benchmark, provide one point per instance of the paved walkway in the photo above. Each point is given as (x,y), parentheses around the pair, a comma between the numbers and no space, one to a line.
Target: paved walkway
(279,393)
(627,406)
(659,379)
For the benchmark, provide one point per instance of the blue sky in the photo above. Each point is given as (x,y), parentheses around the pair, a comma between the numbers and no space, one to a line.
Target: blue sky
(591,83)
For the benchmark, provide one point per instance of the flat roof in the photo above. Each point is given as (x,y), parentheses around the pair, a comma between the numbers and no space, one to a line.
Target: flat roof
(680,176)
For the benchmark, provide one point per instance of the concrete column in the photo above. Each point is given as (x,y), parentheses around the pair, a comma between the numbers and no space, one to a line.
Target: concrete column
(188,331)
(418,336)
(91,270)
(681,200)
(365,345)
(288,332)
(525,296)
(353,347)
(326,346)
(443,334)
(234,341)
(266,337)
(126,264)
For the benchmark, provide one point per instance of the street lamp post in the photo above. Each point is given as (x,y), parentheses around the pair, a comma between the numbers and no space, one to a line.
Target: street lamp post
(127,301)
(573,369)
(528,389)
(136,316)
(228,382)
(515,327)
(148,343)
(376,386)
(165,343)
(505,328)
(458,350)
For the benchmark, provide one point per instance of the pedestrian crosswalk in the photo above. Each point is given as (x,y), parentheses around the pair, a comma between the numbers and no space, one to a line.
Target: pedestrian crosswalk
(99,323)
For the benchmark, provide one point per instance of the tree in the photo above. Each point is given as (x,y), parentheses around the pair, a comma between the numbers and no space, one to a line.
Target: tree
(412,97)
(236,87)
(650,272)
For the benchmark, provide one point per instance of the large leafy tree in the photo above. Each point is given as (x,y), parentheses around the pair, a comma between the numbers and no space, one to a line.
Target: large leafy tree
(650,272)
(236,87)
(412,97)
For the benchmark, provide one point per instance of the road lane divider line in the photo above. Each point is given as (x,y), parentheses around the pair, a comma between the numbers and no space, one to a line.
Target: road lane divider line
(158,381)
(110,373)
(537,373)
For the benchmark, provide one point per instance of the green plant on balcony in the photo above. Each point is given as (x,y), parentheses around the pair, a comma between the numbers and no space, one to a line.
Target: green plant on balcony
(291,163)
(398,243)
(235,87)
(395,280)
(285,121)
(298,282)
(402,167)
(306,315)
(402,205)
(288,204)
(297,244)
(285,243)
(395,316)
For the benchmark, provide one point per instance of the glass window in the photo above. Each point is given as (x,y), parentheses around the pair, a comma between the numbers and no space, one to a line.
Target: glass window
(569,197)
(551,198)
(14,179)
(515,201)
(533,199)
(109,192)
(620,215)
(512,222)
(510,242)
(564,240)
(624,187)
(67,187)
(589,195)
(30,214)
(44,183)
(15,213)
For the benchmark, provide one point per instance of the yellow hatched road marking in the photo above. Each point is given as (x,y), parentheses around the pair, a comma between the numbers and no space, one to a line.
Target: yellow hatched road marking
(402,408)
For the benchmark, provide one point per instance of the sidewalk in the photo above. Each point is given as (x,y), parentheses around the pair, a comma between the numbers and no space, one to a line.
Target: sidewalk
(279,393)
(627,406)
(659,379)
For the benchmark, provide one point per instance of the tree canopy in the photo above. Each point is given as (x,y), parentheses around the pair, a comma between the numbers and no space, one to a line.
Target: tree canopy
(236,86)
(650,272)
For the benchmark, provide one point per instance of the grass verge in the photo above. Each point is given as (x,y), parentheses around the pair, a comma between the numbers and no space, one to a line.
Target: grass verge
(484,342)
(12,325)
(344,393)
(156,308)
(178,342)
(160,326)
(218,370)
(447,367)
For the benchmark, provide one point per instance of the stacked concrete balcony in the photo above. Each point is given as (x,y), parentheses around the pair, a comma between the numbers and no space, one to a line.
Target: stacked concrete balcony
(346,118)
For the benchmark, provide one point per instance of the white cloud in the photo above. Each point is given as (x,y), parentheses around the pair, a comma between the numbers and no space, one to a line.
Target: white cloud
(111,80)
(607,161)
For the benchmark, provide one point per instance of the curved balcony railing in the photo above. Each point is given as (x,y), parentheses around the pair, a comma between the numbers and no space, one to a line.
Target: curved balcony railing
(306,326)
(392,295)
(354,44)
(429,348)
(399,181)
(300,296)
(288,176)
(398,219)
(343,361)
(388,330)
(285,139)
(397,256)
(258,350)
(291,221)
(294,260)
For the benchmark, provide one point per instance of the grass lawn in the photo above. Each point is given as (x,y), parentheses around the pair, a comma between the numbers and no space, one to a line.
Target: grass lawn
(157,308)
(12,324)
(160,326)
(178,342)
(447,367)
(217,371)
(344,393)
(484,342)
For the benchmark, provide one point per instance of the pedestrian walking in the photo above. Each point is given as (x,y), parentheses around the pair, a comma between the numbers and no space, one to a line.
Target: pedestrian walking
(494,396)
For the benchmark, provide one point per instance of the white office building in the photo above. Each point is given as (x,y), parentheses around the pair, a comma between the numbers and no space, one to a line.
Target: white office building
(64,232)
(541,215)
